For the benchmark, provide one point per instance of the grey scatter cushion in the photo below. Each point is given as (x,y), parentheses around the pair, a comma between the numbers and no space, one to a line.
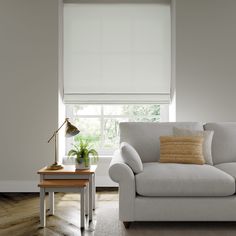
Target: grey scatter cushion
(206,147)
(131,157)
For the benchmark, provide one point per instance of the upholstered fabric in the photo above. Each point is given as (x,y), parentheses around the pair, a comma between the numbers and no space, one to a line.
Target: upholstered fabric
(229,168)
(185,192)
(166,179)
(144,136)
(206,146)
(223,142)
(131,157)
(185,209)
(181,149)
(121,173)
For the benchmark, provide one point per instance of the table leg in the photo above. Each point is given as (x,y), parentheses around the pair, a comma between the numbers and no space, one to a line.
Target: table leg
(94,191)
(82,208)
(86,200)
(42,208)
(90,197)
(51,203)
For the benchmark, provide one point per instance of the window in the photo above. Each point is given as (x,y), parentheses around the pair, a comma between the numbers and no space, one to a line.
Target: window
(115,54)
(100,123)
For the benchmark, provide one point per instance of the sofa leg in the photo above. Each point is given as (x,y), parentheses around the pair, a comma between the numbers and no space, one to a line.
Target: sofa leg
(127,224)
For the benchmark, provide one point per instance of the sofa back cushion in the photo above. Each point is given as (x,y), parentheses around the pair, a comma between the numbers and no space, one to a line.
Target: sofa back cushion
(206,146)
(223,142)
(144,136)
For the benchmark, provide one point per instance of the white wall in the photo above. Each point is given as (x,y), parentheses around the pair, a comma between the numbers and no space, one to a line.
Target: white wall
(205,60)
(28,89)
(205,77)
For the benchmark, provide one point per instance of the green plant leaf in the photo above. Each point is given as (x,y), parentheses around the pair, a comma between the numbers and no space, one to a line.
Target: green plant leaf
(82,150)
(72,152)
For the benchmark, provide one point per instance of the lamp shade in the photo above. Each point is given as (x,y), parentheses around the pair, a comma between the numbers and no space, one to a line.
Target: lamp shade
(71,130)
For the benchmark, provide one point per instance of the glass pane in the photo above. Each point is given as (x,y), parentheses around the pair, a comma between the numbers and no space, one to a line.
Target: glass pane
(111,132)
(90,129)
(88,110)
(113,109)
(142,110)
(146,112)
(144,119)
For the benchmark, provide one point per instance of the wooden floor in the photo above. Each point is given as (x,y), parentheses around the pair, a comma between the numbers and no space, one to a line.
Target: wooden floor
(19,216)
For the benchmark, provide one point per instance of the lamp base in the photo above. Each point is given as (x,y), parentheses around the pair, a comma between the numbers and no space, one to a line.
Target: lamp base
(55,166)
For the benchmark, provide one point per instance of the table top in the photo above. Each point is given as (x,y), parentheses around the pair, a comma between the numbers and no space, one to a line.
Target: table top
(68,169)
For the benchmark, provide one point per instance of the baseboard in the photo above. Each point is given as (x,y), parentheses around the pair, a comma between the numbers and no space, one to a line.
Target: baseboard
(105,181)
(19,186)
(107,189)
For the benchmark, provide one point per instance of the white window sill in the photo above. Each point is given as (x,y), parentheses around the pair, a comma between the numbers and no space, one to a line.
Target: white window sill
(71,160)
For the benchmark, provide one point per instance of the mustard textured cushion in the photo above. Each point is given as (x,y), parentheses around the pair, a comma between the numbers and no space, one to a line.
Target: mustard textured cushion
(181,149)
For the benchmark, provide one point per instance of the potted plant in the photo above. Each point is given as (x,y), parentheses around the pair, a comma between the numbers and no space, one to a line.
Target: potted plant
(84,153)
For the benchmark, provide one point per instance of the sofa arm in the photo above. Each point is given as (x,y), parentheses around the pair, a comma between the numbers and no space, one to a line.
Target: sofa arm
(119,171)
(122,174)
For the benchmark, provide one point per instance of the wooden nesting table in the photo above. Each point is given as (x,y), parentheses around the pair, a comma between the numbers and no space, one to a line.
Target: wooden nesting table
(68,180)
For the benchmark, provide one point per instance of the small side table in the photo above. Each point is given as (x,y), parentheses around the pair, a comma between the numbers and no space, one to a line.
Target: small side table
(57,185)
(69,173)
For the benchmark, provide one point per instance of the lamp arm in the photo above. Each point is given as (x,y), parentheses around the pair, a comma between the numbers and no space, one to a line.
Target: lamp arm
(55,132)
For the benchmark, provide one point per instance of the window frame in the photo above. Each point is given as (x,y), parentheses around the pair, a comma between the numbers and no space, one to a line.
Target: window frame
(164,117)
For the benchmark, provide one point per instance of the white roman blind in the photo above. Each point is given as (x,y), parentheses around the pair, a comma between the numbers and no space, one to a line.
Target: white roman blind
(117,52)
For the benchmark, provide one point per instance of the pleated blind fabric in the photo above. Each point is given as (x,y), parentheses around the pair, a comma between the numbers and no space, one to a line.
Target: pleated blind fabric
(117,52)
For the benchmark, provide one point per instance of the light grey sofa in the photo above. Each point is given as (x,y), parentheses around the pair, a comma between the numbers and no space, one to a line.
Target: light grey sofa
(176,192)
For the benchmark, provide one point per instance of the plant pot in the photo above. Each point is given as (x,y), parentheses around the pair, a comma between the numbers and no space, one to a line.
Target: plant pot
(82,166)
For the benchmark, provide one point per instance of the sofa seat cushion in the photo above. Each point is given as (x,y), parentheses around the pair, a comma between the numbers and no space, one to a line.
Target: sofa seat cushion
(229,168)
(169,179)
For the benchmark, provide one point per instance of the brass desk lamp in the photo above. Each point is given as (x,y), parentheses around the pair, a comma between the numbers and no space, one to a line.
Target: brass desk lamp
(71,131)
